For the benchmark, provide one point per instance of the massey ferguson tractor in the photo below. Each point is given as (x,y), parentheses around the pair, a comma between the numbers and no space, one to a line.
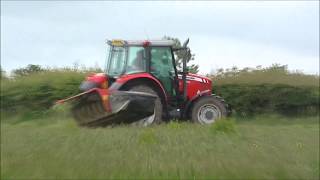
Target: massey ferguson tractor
(141,85)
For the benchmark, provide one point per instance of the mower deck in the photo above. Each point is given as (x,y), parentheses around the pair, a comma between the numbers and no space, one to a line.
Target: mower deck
(122,107)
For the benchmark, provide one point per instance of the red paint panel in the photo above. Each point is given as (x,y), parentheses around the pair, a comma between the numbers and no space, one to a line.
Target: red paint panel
(195,84)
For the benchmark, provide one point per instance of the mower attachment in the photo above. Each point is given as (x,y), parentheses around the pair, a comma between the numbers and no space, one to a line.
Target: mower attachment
(99,107)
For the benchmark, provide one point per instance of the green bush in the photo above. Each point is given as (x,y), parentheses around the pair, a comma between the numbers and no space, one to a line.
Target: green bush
(268,90)
(249,92)
(266,98)
(38,91)
(274,74)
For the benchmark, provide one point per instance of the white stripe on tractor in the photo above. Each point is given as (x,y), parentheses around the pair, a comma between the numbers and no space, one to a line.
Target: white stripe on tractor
(191,78)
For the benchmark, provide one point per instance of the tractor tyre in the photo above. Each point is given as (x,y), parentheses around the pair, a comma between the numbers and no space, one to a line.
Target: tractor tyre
(156,118)
(208,109)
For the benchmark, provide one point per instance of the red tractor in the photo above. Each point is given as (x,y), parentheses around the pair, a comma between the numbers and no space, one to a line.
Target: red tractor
(142,85)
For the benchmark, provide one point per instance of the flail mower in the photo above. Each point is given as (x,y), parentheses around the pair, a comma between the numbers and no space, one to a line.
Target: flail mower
(142,85)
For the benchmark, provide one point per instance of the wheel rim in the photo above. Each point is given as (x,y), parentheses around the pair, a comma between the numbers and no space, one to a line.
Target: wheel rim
(152,118)
(145,121)
(148,120)
(208,114)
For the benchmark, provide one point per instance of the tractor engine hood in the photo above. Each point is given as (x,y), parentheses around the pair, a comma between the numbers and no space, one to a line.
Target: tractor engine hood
(196,77)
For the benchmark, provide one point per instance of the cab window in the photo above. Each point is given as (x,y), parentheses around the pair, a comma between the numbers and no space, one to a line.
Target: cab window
(136,60)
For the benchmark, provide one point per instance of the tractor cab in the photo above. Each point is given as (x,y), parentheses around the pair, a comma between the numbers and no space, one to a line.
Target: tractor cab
(134,57)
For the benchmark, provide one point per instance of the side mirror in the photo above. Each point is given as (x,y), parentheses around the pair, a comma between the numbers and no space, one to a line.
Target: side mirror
(186,43)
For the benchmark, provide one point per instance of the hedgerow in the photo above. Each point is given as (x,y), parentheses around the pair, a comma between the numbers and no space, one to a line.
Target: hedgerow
(248,91)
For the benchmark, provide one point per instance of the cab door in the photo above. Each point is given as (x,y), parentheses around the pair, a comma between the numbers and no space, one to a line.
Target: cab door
(162,67)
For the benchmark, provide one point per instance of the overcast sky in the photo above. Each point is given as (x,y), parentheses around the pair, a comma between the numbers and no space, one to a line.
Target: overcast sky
(222,34)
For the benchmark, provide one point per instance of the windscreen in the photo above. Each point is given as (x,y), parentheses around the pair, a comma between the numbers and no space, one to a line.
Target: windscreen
(126,60)
(116,60)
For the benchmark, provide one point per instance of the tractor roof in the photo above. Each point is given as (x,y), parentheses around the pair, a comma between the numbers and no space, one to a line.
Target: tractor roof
(118,42)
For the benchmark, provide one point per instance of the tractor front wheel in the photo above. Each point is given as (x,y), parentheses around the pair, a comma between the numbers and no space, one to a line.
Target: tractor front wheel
(208,109)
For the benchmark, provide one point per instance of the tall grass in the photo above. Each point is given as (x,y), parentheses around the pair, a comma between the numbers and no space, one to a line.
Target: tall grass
(271,147)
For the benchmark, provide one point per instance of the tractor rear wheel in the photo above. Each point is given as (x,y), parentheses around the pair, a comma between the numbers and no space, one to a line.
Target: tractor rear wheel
(208,109)
(156,118)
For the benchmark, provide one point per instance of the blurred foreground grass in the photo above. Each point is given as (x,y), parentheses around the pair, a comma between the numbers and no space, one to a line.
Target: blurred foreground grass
(271,147)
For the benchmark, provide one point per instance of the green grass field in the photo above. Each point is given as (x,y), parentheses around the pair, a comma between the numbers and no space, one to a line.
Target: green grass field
(271,147)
